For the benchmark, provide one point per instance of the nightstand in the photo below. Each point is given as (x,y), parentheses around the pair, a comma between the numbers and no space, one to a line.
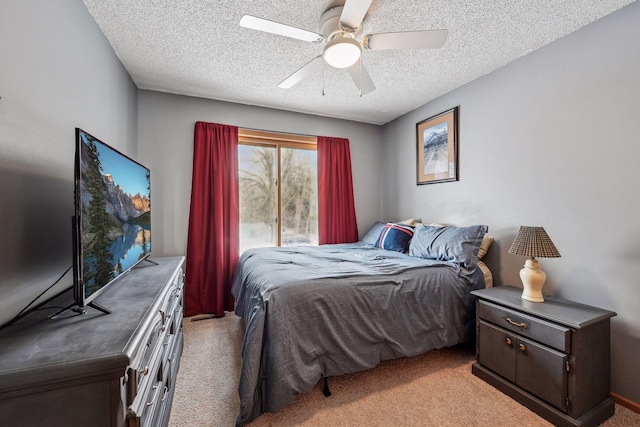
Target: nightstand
(553,357)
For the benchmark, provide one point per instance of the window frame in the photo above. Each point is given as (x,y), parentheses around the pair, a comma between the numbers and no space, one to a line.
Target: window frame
(277,140)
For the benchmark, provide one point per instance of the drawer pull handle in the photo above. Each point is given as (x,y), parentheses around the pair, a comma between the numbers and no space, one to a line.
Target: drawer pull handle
(508,341)
(155,388)
(522,347)
(146,370)
(519,325)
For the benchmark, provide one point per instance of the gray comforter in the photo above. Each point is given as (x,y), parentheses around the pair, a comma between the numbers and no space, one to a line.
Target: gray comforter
(328,310)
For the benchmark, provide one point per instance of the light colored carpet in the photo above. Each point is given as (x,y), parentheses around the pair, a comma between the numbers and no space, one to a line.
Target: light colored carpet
(435,389)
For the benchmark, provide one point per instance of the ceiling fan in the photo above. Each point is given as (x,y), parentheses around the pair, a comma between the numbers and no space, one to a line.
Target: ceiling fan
(341,34)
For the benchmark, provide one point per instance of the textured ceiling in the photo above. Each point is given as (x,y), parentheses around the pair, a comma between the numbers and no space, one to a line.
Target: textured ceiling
(197,48)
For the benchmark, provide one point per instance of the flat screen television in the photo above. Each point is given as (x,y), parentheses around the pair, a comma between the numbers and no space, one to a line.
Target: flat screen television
(112,221)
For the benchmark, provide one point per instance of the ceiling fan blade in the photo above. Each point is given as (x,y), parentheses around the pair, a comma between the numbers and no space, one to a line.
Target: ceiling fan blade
(361,78)
(353,12)
(260,24)
(303,72)
(426,39)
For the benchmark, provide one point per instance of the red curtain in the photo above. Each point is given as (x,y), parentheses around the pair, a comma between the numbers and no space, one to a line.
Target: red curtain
(212,246)
(336,210)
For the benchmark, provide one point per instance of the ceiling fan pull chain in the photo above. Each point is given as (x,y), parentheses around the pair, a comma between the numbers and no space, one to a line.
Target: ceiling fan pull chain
(360,85)
(323,94)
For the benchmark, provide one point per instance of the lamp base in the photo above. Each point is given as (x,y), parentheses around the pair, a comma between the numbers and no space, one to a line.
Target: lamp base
(532,298)
(533,279)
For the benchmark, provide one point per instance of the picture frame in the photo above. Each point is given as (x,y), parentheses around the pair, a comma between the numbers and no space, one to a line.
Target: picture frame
(437,148)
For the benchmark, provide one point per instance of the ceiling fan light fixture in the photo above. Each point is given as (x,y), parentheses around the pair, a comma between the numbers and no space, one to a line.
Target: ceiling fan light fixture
(342,52)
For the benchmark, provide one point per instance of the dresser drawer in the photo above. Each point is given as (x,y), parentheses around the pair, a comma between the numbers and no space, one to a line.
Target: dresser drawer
(143,368)
(550,334)
(143,412)
(146,364)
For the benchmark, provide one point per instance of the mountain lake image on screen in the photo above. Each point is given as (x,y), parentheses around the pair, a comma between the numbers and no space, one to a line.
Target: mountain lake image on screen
(113,215)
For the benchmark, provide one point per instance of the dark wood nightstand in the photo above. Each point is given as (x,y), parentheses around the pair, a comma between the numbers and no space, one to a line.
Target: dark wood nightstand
(553,357)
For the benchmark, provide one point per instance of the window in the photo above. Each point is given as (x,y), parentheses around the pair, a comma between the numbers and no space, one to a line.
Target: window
(278,189)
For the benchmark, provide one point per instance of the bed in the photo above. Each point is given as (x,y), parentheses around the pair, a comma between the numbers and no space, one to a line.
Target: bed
(322,311)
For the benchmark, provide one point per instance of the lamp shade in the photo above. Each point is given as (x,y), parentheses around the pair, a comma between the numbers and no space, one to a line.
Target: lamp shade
(533,242)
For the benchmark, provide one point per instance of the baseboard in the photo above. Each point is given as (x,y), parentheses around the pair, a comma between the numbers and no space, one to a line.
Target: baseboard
(635,407)
(198,317)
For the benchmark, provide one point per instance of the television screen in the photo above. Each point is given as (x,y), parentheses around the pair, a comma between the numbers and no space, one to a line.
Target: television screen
(112,224)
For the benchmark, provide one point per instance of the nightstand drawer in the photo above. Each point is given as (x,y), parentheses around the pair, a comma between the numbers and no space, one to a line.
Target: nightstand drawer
(550,334)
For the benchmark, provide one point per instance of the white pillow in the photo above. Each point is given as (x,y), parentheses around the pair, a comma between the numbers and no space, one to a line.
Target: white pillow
(436,224)
(411,221)
(484,246)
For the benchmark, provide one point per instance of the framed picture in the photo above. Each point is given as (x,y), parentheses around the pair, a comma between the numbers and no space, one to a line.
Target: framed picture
(437,148)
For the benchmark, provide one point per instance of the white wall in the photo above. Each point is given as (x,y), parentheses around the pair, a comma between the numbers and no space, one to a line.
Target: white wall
(550,140)
(166,126)
(58,72)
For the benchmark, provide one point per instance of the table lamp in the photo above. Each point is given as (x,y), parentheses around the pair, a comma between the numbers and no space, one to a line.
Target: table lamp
(533,242)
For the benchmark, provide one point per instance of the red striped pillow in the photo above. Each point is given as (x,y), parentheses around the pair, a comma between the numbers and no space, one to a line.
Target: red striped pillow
(395,237)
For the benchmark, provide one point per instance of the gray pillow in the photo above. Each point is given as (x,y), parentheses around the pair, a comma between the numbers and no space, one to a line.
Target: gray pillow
(454,244)
(374,232)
